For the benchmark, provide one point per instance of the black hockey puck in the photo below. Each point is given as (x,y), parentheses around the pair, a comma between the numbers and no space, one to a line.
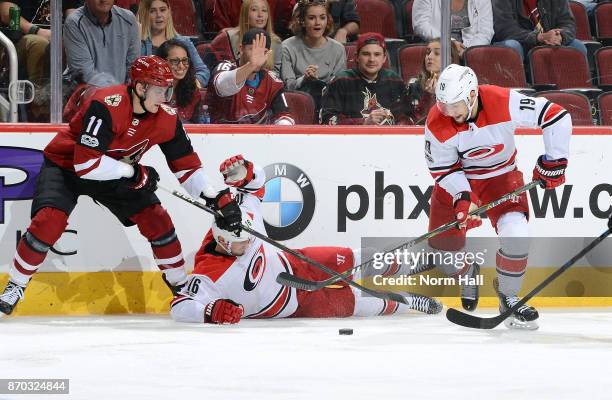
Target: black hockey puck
(346,331)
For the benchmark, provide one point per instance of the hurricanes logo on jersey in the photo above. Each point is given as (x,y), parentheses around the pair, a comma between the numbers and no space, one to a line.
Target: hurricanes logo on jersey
(480,152)
(113,100)
(256,269)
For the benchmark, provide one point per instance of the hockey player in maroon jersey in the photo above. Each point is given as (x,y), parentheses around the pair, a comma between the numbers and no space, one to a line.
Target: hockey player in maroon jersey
(248,94)
(235,274)
(471,154)
(98,155)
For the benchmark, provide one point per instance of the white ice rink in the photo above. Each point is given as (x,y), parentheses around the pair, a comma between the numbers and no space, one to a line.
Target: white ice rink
(401,357)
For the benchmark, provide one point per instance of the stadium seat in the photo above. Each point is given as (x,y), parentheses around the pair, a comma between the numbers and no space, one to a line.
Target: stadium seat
(184,17)
(210,55)
(377,16)
(496,65)
(128,4)
(408,28)
(351,55)
(564,67)
(583,32)
(605,108)
(411,60)
(603,59)
(603,26)
(302,107)
(576,104)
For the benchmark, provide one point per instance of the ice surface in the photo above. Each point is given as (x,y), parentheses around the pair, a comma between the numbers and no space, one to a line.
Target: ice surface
(400,357)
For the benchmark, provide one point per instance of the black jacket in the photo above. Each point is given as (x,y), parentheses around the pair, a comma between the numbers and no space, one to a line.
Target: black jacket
(510,22)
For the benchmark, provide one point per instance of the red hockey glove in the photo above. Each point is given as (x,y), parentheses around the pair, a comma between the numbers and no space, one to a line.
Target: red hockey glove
(464,203)
(223,311)
(550,172)
(145,178)
(237,171)
(225,203)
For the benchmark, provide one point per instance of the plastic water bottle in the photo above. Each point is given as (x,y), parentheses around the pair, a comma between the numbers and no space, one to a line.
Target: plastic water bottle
(205,114)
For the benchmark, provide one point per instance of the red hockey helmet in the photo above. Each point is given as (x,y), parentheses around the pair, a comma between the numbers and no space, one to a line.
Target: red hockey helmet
(152,70)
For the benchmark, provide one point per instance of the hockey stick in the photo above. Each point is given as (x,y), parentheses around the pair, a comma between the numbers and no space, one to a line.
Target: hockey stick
(381,295)
(473,321)
(287,279)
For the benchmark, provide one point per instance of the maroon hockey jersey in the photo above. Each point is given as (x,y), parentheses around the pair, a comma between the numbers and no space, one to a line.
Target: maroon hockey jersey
(106,130)
(258,102)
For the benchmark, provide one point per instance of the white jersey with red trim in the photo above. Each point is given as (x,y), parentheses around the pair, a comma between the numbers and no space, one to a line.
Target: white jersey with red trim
(485,148)
(215,275)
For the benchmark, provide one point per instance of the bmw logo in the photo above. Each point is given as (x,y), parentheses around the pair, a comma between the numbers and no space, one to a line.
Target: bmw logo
(289,201)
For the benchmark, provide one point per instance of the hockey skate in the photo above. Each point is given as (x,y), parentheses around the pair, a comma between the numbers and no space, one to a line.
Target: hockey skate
(424,304)
(523,318)
(176,289)
(469,292)
(9,298)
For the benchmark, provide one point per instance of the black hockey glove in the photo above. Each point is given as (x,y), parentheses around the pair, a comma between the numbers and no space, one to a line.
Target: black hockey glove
(145,178)
(225,203)
(610,222)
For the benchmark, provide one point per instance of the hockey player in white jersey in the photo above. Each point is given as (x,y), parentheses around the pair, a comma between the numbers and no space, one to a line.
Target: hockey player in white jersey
(471,154)
(235,274)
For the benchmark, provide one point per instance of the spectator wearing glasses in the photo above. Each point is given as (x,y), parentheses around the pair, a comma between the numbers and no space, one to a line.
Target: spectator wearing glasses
(368,94)
(311,59)
(156,27)
(248,93)
(186,97)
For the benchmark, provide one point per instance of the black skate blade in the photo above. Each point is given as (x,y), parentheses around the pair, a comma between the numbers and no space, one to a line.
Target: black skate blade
(472,321)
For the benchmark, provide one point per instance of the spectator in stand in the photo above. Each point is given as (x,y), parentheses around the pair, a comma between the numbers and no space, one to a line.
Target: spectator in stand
(32,44)
(310,59)
(422,89)
(248,93)
(343,12)
(186,97)
(524,24)
(100,38)
(226,13)
(346,20)
(156,27)
(471,22)
(253,14)
(368,94)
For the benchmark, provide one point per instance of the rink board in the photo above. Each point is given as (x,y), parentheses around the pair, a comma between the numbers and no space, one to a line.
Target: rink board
(347,168)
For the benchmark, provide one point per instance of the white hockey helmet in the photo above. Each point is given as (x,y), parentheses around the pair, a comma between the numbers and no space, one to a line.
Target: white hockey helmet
(455,84)
(229,237)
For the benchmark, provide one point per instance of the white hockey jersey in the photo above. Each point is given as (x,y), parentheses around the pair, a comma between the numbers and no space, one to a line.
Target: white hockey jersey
(485,148)
(215,275)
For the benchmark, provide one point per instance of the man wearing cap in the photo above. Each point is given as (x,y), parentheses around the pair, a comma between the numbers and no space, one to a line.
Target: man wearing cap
(248,93)
(367,94)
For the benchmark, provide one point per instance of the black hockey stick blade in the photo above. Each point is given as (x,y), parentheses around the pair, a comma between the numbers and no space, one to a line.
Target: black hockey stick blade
(318,265)
(473,321)
(304,284)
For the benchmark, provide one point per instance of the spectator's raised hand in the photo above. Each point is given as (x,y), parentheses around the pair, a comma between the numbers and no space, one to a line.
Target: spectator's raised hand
(430,84)
(259,54)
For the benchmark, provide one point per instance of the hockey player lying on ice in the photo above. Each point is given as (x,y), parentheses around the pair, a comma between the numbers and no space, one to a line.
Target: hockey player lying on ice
(235,275)
(470,151)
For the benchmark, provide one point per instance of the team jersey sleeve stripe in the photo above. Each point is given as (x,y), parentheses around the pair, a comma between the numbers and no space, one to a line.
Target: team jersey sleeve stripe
(554,120)
(543,112)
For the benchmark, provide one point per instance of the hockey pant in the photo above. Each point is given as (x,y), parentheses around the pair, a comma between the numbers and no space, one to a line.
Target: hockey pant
(509,220)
